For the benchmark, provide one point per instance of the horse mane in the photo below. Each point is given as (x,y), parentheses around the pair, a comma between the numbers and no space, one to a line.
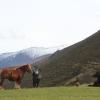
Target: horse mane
(22,68)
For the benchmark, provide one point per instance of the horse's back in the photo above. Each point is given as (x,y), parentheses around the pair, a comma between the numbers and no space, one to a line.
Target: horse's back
(7,71)
(4,72)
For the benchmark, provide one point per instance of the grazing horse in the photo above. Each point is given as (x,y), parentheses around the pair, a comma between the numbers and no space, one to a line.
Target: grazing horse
(15,74)
(36,77)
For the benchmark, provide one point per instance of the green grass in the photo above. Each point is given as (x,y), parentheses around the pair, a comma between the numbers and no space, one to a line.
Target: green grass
(55,93)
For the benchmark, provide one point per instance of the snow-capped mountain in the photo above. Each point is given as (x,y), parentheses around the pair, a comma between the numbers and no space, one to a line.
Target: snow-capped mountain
(25,56)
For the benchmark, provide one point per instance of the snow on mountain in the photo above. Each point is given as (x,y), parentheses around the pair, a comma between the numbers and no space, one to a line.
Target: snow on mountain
(25,56)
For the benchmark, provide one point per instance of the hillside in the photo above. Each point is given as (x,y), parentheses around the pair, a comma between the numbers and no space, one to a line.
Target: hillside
(65,64)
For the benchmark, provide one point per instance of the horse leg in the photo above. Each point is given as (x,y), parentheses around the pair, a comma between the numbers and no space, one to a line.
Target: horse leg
(38,81)
(33,85)
(1,83)
(36,84)
(17,84)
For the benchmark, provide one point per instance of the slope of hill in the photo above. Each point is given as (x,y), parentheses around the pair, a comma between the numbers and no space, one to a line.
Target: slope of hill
(71,61)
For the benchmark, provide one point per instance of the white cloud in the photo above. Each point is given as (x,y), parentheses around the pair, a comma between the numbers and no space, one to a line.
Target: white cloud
(12,35)
(25,23)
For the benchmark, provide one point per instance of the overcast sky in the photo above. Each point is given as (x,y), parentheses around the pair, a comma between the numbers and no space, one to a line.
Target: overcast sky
(46,23)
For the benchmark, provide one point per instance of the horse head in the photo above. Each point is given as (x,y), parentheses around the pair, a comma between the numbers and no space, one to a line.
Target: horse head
(36,72)
(29,68)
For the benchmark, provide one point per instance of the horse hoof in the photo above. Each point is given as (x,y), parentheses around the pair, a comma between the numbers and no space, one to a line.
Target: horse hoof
(1,88)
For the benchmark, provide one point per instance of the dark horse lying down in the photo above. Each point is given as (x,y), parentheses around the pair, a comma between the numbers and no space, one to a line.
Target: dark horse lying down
(36,77)
(97,82)
(15,74)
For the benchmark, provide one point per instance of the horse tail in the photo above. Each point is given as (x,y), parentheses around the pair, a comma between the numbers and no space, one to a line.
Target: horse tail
(0,73)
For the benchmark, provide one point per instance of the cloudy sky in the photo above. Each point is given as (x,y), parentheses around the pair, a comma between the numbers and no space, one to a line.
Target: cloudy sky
(46,23)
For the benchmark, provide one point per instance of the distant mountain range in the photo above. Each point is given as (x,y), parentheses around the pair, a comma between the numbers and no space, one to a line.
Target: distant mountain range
(26,56)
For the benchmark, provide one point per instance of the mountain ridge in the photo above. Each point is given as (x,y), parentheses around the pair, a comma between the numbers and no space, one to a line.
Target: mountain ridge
(24,56)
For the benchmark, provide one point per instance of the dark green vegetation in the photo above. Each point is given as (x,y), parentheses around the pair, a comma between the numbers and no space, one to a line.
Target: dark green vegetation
(57,93)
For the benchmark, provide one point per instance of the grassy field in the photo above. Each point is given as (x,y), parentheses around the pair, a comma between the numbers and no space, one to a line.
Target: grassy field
(54,93)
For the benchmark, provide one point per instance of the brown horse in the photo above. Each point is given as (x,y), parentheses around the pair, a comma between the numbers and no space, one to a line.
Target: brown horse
(15,74)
